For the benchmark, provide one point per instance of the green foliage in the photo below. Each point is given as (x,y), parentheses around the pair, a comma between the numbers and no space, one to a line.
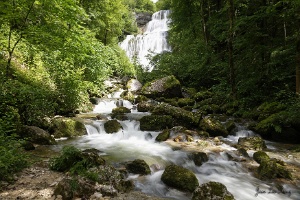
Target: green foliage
(68,158)
(12,159)
(163,5)
(140,5)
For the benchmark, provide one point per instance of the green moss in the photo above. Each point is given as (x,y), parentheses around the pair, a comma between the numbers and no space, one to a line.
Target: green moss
(180,178)
(213,127)
(185,102)
(260,156)
(112,126)
(155,122)
(138,167)
(163,136)
(67,127)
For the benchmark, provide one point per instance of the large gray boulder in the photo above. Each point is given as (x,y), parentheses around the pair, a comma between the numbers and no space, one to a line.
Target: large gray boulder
(254,143)
(168,87)
(67,127)
(37,135)
(134,86)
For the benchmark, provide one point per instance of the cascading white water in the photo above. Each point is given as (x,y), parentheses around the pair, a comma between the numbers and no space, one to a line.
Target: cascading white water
(131,143)
(153,41)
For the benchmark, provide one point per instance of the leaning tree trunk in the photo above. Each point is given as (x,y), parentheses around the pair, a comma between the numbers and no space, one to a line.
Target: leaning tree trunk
(298,68)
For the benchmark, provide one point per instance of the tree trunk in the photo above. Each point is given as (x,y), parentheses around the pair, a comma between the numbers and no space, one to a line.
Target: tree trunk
(230,50)
(298,68)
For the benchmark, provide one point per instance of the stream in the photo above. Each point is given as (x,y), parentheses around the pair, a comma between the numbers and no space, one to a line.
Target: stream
(131,143)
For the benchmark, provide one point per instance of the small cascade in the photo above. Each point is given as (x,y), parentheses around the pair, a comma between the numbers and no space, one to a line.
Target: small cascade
(153,41)
(131,143)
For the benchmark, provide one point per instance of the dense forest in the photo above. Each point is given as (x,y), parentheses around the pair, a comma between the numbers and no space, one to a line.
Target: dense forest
(55,55)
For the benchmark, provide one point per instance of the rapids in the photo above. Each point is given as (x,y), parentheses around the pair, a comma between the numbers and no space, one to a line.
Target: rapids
(131,143)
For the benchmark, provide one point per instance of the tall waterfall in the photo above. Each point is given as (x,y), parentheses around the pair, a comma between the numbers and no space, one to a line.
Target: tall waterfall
(153,41)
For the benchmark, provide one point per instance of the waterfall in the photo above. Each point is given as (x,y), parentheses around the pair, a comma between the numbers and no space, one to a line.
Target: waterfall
(152,42)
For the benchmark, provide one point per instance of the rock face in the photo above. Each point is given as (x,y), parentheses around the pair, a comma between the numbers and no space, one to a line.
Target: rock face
(143,18)
(67,127)
(180,178)
(168,87)
(213,127)
(255,143)
(138,167)
(37,135)
(112,126)
(155,122)
(212,191)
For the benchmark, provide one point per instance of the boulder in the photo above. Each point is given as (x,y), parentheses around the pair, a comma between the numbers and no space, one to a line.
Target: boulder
(181,117)
(213,127)
(134,86)
(163,136)
(180,178)
(199,158)
(255,143)
(260,156)
(92,157)
(37,135)
(67,127)
(212,191)
(138,167)
(71,188)
(270,169)
(119,113)
(155,122)
(112,126)
(146,106)
(168,87)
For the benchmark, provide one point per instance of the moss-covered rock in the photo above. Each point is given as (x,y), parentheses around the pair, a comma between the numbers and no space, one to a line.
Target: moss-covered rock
(140,98)
(119,113)
(163,136)
(230,126)
(199,158)
(270,169)
(212,191)
(138,167)
(181,117)
(168,87)
(255,143)
(186,102)
(155,122)
(146,106)
(112,126)
(37,135)
(67,127)
(213,127)
(71,188)
(180,178)
(260,156)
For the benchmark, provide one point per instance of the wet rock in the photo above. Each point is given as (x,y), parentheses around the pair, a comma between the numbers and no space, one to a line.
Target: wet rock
(270,169)
(143,18)
(168,87)
(119,113)
(112,126)
(243,152)
(182,102)
(37,135)
(212,191)
(155,122)
(213,127)
(255,143)
(138,167)
(199,158)
(230,126)
(181,117)
(67,127)
(163,136)
(92,157)
(146,106)
(180,178)
(260,156)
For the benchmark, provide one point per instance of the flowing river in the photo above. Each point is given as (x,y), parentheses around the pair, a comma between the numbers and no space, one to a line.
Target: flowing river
(131,143)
